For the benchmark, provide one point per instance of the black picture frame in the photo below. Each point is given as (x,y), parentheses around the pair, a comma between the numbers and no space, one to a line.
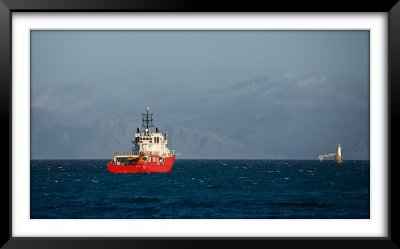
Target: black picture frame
(8,7)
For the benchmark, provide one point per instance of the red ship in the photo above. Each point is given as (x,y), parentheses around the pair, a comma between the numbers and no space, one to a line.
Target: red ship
(149,153)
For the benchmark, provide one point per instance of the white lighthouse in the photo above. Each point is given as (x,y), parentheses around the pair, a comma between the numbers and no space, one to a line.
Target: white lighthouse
(339,154)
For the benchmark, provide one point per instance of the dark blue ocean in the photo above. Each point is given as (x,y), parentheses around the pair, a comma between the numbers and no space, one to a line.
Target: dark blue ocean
(202,189)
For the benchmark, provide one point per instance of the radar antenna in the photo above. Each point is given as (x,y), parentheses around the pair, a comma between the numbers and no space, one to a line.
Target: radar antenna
(147,119)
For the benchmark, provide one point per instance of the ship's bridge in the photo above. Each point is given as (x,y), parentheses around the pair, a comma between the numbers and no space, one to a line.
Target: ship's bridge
(149,141)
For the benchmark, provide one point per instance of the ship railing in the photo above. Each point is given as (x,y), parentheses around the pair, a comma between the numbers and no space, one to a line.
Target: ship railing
(175,152)
(143,153)
(126,153)
(136,153)
(147,153)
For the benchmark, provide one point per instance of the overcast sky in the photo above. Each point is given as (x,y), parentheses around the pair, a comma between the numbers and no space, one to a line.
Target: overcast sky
(200,58)
(83,76)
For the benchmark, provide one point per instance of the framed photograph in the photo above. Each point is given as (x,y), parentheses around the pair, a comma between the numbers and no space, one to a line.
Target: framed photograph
(148,126)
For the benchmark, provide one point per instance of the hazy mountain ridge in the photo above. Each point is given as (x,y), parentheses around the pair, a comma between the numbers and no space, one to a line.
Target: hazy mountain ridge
(267,114)
(52,139)
(258,118)
(205,144)
(114,134)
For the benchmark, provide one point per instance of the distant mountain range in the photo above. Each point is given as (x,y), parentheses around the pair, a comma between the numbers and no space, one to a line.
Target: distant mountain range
(55,140)
(259,118)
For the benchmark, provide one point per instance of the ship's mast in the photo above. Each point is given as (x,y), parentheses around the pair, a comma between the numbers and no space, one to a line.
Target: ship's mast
(147,119)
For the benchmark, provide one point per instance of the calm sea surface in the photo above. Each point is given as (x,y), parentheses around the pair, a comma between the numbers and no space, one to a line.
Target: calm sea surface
(202,189)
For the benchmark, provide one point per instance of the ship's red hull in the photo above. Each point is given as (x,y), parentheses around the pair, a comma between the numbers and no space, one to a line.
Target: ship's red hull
(143,167)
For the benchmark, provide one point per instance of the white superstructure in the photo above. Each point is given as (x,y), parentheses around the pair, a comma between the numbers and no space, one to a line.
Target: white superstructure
(151,143)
